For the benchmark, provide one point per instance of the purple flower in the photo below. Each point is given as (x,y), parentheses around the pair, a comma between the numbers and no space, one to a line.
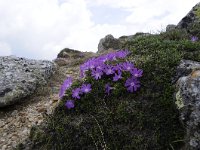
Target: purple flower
(137,72)
(100,66)
(194,38)
(132,84)
(96,64)
(66,84)
(69,104)
(128,66)
(117,76)
(83,68)
(112,56)
(103,59)
(86,88)
(91,64)
(118,67)
(76,92)
(109,70)
(97,74)
(108,88)
(122,53)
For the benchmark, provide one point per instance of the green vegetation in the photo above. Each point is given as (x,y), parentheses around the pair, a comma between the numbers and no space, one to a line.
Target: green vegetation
(145,120)
(197,13)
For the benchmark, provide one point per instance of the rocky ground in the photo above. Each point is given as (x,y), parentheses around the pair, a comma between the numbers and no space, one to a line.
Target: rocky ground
(17,120)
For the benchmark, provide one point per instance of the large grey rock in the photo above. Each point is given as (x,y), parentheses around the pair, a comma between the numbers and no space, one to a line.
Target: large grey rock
(192,18)
(108,42)
(111,43)
(19,77)
(188,101)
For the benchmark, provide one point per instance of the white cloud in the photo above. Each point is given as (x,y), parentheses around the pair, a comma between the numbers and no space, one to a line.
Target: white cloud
(37,27)
(41,28)
(5,49)
(148,15)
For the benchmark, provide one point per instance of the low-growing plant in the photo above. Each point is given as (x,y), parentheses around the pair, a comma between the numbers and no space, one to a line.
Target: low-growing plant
(112,66)
(110,117)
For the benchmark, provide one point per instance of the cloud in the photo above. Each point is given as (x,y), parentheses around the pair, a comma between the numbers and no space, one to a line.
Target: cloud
(145,15)
(5,49)
(41,28)
(35,28)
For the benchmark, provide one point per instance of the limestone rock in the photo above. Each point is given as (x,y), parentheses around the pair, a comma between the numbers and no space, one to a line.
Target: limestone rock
(188,101)
(68,53)
(191,18)
(19,77)
(111,43)
(108,42)
(170,27)
(68,56)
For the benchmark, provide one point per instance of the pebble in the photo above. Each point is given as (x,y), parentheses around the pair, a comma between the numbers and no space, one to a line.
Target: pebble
(4,147)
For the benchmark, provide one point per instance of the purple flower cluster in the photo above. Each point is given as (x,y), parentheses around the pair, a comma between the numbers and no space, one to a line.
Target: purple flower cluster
(84,89)
(97,65)
(194,38)
(100,67)
(76,93)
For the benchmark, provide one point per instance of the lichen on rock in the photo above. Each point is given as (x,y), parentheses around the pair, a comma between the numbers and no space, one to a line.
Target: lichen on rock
(189,94)
(19,77)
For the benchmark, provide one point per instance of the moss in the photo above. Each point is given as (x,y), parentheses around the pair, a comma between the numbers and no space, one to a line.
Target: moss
(176,34)
(197,13)
(144,120)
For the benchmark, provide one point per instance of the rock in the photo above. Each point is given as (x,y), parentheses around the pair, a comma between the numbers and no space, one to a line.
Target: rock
(170,27)
(19,77)
(69,53)
(188,101)
(191,18)
(61,61)
(108,42)
(66,56)
(4,147)
(124,39)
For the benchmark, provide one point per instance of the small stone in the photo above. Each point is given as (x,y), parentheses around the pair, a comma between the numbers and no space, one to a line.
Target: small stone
(31,119)
(39,122)
(2,140)
(2,123)
(4,147)
(4,134)
(22,114)
(41,109)
(23,119)
(14,112)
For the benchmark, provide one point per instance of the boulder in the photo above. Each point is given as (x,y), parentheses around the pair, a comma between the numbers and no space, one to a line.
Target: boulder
(69,53)
(108,42)
(188,101)
(19,77)
(192,18)
(67,56)
(170,27)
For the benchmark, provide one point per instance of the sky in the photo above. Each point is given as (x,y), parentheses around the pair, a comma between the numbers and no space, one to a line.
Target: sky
(40,29)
